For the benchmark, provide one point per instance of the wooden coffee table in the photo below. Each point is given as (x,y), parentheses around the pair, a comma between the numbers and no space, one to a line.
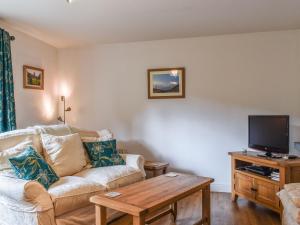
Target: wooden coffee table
(148,196)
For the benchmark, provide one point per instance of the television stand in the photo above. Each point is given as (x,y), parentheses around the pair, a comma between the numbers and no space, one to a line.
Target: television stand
(269,155)
(258,188)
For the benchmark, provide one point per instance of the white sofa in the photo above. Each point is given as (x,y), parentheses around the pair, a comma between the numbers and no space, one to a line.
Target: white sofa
(290,199)
(66,202)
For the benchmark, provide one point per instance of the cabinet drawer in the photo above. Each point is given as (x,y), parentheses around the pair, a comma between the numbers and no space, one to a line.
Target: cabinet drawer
(265,192)
(244,185)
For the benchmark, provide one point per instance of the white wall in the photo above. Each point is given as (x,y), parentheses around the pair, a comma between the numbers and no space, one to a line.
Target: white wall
(33,106)
(227,78)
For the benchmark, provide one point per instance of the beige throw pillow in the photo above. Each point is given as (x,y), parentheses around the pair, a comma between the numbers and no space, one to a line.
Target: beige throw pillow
(65,154)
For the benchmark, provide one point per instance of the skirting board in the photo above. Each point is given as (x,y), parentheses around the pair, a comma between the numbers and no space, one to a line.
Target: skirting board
(220,187)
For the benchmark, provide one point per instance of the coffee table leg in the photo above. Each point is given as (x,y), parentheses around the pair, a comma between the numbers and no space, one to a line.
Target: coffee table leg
(138,220)
(100,215)
(174,208)
(206,205)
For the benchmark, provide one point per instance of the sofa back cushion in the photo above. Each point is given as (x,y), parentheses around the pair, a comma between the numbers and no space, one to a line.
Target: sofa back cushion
(92,136)
(65,154)
(13,138)
(12,152)
(57,129)
(84,133)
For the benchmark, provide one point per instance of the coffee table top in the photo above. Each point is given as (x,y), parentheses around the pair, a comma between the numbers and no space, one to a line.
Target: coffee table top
(152,194)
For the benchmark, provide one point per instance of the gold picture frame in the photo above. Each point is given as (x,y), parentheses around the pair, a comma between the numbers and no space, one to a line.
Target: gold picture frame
(165,83)
(33,77)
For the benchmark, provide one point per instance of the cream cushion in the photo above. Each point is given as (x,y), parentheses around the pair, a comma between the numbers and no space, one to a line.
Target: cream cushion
(102,135)
(112,176)
(70,193)
(65,154)
(105,134)
(57,130)
(13,138)
(11,152)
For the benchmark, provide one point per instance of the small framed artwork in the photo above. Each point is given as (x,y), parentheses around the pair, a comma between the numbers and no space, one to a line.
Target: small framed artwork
(166,83)
(33,78)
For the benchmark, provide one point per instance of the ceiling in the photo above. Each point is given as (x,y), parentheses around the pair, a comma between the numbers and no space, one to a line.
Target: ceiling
(87,22)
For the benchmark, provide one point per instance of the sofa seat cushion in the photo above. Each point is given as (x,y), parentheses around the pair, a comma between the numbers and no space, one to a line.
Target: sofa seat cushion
(70,193)
(112,176)
(290,208)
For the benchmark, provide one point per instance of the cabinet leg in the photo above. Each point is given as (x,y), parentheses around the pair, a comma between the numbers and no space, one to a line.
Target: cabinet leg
(234,197)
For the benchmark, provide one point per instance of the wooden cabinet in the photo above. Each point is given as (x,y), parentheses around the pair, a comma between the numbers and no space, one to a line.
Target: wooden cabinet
(257,188)
(265,193)
(244,185)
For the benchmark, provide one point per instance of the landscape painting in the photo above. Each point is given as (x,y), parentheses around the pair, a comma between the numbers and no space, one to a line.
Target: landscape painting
(166,83)
(33,78)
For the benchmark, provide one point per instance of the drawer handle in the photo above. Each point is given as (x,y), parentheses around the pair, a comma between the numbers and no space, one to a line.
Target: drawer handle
(254,189)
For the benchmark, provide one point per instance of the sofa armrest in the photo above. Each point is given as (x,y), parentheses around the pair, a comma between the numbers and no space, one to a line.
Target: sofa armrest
(293,191)
(135,161)
(23,195)
(290,211)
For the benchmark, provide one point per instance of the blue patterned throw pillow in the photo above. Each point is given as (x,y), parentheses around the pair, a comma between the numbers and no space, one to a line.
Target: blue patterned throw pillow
(29,165)
(103,153)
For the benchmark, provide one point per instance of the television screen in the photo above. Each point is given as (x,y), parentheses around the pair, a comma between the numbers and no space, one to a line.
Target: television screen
(269,133)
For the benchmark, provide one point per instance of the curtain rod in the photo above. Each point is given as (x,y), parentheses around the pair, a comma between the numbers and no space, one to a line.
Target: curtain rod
(12,38)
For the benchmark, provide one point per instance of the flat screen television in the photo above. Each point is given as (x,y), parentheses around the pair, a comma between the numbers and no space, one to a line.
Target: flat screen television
(269,134)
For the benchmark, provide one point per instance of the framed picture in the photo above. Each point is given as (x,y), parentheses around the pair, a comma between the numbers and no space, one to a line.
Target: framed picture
(33,78)
(166,83)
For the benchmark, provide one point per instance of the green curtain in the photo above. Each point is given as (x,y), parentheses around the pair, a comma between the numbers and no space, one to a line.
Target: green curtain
(7,99)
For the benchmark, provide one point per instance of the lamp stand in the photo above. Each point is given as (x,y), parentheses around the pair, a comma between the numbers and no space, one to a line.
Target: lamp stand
(68,109)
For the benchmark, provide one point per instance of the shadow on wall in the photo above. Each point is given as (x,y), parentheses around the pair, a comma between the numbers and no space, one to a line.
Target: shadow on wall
(135,147)
(173,169)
